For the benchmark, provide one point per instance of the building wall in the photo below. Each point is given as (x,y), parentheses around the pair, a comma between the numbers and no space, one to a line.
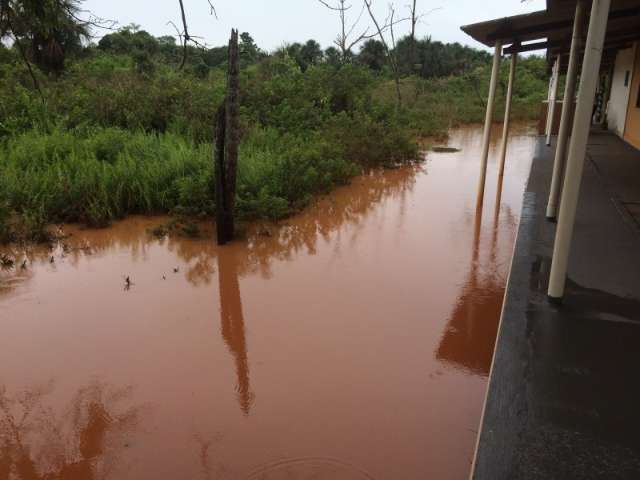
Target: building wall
(620,88)
(632,126)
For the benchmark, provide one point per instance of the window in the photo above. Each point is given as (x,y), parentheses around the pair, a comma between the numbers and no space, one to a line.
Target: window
(626,78)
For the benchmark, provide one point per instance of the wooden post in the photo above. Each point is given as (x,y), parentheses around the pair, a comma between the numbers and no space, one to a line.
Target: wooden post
(218,164)
(226,151)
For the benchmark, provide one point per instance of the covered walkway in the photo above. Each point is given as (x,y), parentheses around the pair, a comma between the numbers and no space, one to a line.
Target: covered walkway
(598,29)
(564,397)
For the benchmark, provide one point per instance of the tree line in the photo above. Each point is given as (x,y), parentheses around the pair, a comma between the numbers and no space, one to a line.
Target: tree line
(46,33)
(92,130)
(425,58)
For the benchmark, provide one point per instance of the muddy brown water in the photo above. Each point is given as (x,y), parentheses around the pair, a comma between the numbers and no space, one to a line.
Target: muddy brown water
(352,341)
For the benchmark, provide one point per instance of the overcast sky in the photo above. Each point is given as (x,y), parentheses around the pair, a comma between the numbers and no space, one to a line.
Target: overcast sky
(273,23)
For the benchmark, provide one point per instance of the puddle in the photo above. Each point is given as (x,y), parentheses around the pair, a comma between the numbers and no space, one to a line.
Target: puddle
(351,341)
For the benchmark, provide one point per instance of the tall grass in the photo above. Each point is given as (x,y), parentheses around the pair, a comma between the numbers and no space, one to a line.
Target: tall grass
(5,232)
(97,175)
(112,139)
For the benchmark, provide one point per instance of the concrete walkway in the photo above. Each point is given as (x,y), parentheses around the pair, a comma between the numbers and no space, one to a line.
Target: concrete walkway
(564,394)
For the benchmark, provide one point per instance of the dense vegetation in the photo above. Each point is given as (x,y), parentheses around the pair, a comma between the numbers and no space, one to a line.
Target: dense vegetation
(116,127)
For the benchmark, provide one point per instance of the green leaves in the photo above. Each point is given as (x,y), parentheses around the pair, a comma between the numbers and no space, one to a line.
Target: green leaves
(122,131)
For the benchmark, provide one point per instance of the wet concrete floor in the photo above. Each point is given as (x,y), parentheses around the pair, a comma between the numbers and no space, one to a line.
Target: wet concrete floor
(563,400)
(352,341)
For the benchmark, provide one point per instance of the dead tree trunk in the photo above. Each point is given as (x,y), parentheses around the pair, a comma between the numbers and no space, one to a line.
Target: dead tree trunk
(412,36)
(391,52)
(226,151)
(218,164)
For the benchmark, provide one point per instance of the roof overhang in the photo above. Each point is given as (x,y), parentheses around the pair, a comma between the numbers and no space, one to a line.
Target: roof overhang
(551,29)
(518,28)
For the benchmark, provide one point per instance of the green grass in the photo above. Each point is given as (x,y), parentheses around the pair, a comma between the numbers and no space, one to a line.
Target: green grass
(112,139)
(97,175)
(5,232)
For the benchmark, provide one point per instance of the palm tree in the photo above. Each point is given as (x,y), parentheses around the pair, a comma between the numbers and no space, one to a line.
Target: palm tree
(44,32)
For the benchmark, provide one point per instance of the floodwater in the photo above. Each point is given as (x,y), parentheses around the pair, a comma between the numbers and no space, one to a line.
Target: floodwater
(352,341)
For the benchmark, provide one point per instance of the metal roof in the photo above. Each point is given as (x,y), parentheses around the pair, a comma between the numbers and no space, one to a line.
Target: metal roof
(550,29)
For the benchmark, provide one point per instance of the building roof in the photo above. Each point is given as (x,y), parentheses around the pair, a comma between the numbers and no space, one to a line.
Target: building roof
(550,29)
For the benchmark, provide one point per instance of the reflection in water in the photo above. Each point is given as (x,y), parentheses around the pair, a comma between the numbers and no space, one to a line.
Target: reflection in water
(310,468)
(498,202)
(357,302)
(265,243)
(232,324)
(468,340)
(16,271)
(82,444)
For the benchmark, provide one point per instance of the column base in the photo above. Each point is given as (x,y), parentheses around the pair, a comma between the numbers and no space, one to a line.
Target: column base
(554,300)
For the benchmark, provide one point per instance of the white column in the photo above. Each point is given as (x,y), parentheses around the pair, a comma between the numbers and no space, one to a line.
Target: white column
(578,147)
(489,119)
(567,110)
(551,77)
(507,114)
(551,111)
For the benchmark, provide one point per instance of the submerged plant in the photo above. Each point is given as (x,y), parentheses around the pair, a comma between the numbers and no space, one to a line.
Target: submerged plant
(5,228)
(35,225)
(6,262)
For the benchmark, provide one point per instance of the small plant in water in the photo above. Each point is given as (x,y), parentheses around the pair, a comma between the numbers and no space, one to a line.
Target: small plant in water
(6,262)
(5,231)
(177,227)
(159,231)
(33,226)
(440,149)
(191,230)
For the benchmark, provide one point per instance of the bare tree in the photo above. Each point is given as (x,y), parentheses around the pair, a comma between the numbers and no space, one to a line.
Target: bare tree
(415,18)
(350,35)
(412,37)
(390,50)
(184,36)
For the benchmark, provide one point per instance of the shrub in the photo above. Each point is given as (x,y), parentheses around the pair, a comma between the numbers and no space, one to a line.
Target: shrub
(97,175)
(123,131)
(372,142)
